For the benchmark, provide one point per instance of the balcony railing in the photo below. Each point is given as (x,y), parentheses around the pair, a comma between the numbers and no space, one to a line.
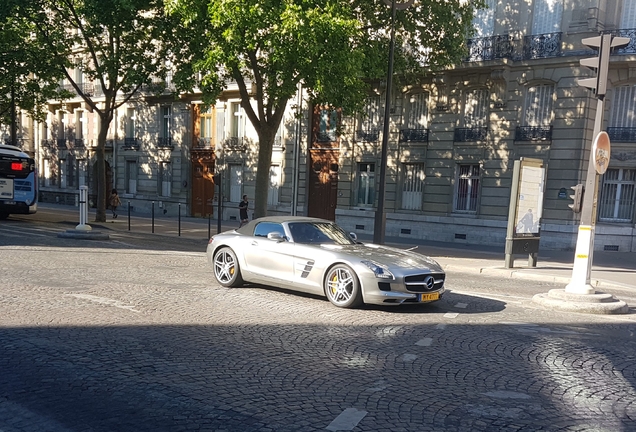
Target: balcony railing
(370,135)
(87,88)
(470,134)
(630,48)
(165,143)
(542,46)
(622,134)
(48,143)
(204,142)
(533,133)
(235,143)
(326,137)
(61,143)
(490,48)
(130,144)
(414,135)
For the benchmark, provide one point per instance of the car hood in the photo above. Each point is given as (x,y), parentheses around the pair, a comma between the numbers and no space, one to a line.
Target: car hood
(392,257)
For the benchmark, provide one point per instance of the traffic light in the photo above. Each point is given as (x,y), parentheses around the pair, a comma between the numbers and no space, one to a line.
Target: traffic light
(603,43)
(577,198)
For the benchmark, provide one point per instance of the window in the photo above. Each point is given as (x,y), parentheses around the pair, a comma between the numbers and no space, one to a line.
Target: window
(130,123)
(264,228)
(79,125)
(235,120)
(327,126)
(618,195)
(50,173)
(628,17)
(371,120)
(131,176)
(61,126)
(366,184)
(484,20)
(624,107)
(537,111)
(417,111)
(476,109)
(236,183)
(547,16)
(166,115)
(274,182)
(63,172)
(413,186)
(467,188)
(71,173)
(165,179)
(206,126)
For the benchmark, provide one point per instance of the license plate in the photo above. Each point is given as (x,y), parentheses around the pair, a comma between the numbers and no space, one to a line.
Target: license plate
(9,202)
(429,297)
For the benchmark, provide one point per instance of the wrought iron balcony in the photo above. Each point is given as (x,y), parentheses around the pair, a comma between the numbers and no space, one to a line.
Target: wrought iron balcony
(414,135)
(326,137)
(61,143)
(470,134)
(369,135)
(165,143)
(622,134)
(533,133)
(542,46)
(235,143)
(490,48)
(204,142)
(48,143)
(630,48)
(78,143)
(130,144)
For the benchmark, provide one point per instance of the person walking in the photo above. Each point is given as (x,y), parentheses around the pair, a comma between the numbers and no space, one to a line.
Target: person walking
(114,202)
(243,205)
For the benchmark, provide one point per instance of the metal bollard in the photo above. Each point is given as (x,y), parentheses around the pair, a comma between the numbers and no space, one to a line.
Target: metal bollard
(83,210)
(153,217)
(179,218)
(209,224)
(128,215)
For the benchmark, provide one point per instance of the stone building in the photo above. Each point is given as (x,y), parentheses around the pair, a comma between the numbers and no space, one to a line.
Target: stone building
(454,136)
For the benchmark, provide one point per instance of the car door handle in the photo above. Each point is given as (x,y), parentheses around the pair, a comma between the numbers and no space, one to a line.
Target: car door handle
(254,243)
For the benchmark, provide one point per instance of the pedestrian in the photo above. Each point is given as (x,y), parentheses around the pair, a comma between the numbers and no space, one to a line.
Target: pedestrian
(243,205)
(114,202)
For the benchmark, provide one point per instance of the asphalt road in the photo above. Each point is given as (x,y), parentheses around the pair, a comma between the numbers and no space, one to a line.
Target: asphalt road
(133,334)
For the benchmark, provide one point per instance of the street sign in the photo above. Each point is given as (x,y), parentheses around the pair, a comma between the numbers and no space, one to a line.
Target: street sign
(601,152)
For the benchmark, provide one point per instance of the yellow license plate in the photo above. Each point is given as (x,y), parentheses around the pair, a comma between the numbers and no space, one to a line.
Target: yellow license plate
(429,297)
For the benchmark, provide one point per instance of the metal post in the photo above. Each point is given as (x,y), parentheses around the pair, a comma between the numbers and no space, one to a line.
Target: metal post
(209,224)
(128,215)
(179,218)
(83,209)
(153,217)
(220,207)
(380,215)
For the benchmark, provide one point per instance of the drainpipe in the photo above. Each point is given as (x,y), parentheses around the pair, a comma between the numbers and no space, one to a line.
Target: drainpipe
(296,170)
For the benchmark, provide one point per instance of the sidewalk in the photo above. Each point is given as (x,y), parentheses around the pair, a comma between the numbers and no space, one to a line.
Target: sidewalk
(609,269)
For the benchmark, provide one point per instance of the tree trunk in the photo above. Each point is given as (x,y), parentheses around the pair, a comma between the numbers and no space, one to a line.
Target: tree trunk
(102,187)
(265,147)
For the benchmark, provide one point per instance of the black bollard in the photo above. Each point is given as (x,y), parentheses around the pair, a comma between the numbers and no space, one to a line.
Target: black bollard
(179,218)
(129,215)
(209,225)
(153,217)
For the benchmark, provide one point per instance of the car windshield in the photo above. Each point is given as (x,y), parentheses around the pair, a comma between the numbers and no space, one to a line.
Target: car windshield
(319,232)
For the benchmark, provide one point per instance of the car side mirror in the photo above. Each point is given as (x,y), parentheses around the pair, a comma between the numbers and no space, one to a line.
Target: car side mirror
(276,236)
(353,236)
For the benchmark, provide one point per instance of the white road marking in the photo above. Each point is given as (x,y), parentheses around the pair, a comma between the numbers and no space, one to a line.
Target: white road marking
(461,305)
(105,301)
(440,326)
(409,357)
(451,315)
(424,342)
(347,420)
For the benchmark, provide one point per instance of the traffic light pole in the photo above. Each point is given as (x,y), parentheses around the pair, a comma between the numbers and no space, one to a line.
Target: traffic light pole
(582,269)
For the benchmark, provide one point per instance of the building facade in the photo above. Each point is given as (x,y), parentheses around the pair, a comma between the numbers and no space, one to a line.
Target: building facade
(454,136)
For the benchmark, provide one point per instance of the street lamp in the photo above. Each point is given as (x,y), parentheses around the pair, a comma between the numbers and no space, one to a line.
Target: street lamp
(380,215)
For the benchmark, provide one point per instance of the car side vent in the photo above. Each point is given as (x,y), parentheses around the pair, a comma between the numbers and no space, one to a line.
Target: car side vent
(460,236)
(611,248)
(384,286)
(360,227)
(405,231)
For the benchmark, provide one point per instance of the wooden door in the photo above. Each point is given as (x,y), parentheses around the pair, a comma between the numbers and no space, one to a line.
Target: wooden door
(323,184)
(202,182)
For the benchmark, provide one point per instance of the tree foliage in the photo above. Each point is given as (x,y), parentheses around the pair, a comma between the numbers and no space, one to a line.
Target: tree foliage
(118,44)
(332,47)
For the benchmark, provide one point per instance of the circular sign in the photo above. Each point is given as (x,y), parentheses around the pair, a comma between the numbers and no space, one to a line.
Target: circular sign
(601,152)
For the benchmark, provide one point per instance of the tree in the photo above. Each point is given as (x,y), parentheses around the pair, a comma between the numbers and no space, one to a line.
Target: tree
(332,47)
(118,44)
(27,77)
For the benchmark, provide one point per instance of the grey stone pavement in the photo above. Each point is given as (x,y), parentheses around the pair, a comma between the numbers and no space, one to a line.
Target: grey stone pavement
(133,334)
(609,269)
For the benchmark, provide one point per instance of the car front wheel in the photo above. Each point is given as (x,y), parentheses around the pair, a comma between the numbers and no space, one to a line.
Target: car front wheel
(342,287)
(226,268)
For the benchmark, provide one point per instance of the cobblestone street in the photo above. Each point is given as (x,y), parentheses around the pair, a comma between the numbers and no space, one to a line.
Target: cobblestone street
(134,334)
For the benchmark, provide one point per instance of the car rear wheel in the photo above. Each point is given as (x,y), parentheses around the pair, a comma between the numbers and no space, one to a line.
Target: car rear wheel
(342,287)
(226,268)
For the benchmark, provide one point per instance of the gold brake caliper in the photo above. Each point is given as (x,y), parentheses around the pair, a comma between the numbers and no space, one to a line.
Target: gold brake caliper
(334,281)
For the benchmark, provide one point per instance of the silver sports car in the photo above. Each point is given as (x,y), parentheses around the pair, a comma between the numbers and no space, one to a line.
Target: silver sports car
(317,256)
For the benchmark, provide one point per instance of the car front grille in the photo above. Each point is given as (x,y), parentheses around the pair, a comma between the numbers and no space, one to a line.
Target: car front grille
(421,282)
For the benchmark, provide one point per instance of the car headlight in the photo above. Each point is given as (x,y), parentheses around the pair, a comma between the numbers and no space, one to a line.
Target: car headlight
(379,270)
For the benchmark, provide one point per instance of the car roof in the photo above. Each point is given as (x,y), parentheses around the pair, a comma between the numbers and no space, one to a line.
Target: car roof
(249,227)
(11,150)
